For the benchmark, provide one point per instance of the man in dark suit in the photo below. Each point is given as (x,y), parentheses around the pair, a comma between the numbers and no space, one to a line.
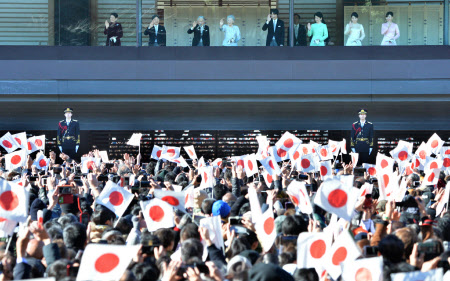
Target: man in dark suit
(156,33)
(201,32)
(362,137)
(299,32)
(275,35)
(68,135)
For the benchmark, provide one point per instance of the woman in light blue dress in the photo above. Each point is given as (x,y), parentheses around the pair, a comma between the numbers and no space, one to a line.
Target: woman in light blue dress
(232,33)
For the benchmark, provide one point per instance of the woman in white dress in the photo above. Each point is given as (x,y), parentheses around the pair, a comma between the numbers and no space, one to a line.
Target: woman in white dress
(354,31)
(232,33)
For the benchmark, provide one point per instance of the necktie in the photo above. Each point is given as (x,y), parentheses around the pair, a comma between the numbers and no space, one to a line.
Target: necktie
(274,26)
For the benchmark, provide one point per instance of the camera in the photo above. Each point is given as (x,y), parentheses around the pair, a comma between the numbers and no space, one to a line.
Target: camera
(235,220)
(431,247)
(65,189)
(102,178)
(201,267)
(370,251)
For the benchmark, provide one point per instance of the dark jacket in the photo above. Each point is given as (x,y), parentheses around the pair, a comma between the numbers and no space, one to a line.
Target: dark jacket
(114,29)
(197,35)
(300,37)
(68,134)
(279,32)
(160,36)
(362,138)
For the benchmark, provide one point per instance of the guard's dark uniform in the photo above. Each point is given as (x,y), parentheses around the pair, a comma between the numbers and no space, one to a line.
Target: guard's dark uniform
(68,137)
(362,140)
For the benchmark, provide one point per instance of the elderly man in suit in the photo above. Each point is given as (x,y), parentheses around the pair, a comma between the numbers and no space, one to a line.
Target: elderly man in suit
(201,32)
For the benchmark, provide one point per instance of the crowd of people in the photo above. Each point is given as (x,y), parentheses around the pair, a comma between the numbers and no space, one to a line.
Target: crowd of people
(317,32)
(263,218)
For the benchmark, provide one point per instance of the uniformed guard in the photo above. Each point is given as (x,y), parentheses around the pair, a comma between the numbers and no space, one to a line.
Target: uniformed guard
(68,136)
(362,137)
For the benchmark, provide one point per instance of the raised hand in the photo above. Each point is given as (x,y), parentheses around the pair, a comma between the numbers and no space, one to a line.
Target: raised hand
(194,24)
(269,17)
(221,22)
(309,26)
(106,24)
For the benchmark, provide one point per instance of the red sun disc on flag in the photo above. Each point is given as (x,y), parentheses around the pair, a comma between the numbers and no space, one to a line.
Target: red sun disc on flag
(171,152)
(240,163)
(304,196)
(422,154)
(323,170)
(337,198)
(269,224)
(250,164)
(447,152)
(323,152)
(271,165)
(288,143)
(7,144)
(431,177)
(171,200)
(156,213)
(269,178)
(384,163)
(29,146)
(190,152)
(9,200)
(305,163)
(205,176)
(116,198)
(339,256)
(90,165)
(386,180)
(363,274)
(281,152)
(305,150)
(2,219)
(294,200)
(333,148)
(158,153)
(446,163)
(372,171)
(16,159)
(18,141)
(219,163)
(318,249)
(433,165)
(402,155)
(42,163)
(38,142)
(434,143)
(106,262)
(296,155)
(417,163)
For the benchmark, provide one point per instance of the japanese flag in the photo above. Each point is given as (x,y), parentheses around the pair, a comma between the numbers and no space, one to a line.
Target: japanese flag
(135,139)
(190,151)
(88,164)
(41,161)
(265,229)
(344,146)
(270,165)
(343,250)
(299,196)
(189,193)
(443,201)
(201,163)
(9,143)
(105,261)
(13,201)
(384,163)
(325,170)
(433,163)
(313,146)
(156,152)
(400,193)
(267,178)
(422,152)
(431,177)
(370,169)
(366,188)
(363,269)
(435,143)
(334,146)
(7,227)
(307,163)
(337,198)
(431,275)
(208,179)
(115,198)
(251,167)
(388,184)
(170,152)
(39,142)
(255,207)
(355,158)
(180,161)
(278,154)
(214,226)
(31,146)
(21,139)
(324,152)
(304,148)
(175,199)
(445,151)
(287,142)
(294,154)
(416,164)
(312,248)
(158,214)
(402,152)
(446,163)
(15,159)
(217,163)
(263,147)
(239,160)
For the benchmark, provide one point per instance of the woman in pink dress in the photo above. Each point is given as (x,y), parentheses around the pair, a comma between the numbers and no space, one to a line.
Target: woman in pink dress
(390,31)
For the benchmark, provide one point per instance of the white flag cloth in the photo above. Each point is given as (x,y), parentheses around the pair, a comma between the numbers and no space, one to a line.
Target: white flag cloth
(265,229)
(278,153)
(443,200)
(326,170)
(13,201)
(312,248)
(21,139)
(343,250)
(88,163)
(190,150)
(9,143)
(324,152)
(388,185)
(363,269)
(39,142)
(445,151)
(431,177)
(384,163)
(31,146)
(158,214)
(181,161)
(270,165)
(344,146)
(402,152)
(370,169)
(41,161)
(299,196)
(208,179)
(446,164)
(104,156)
(239,160)
(432,163)
(263,147)
(435,144)
(170,152)
(105,262)
(201,163)
(355,158)
(156,152)
(365,189)
(398,196)
(431,275)
(255,207)
(334,147)
(135,139)
(305,148)
(15,159)
(251,167)
(286,143)
(423,151)
(337,198)
(294,154)
(189,192)
(313,145)
(7,227)
(175,199)
(115,198)
(214,226)
(217,163)
(267,178)
(307,163)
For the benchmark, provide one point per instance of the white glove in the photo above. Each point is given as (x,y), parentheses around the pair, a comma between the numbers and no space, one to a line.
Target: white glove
(60,148)
(76,148)
(370,150)
(353,150)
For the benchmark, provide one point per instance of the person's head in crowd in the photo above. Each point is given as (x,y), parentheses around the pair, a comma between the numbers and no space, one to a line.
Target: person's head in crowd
(286,258)
(103,216)
(294,225)
(124,225)
(66,220)
(155,19)
(274,14)
(318,17)
(75,236)
(222,209)
(55,232)
(227,176)
(207,206)
(251,238)
(146,272)
(306,274)
(391,248)
(239,245)
(297,19)
(229,198)
(409,238)
(191,248)
(170,177)
(61,269)
(199,198)
(269,272)
(237,268)
(167,238)
(219,190)
(190,230)
(124,171)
